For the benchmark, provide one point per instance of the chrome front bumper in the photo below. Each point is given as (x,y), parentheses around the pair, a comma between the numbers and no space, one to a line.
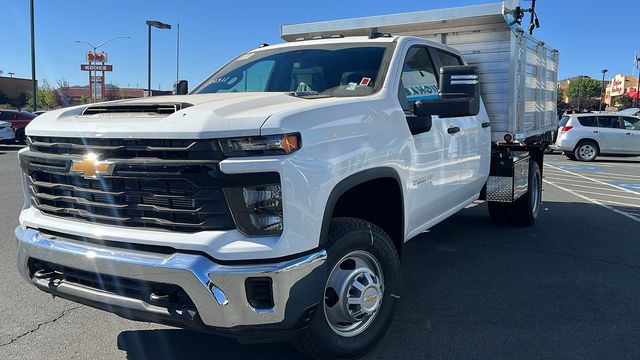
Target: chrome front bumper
(216,290)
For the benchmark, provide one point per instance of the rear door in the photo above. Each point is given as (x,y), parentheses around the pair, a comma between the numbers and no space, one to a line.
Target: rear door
(611,136)
(631,127)
(471,139)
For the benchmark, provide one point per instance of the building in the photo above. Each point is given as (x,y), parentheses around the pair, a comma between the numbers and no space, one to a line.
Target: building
(15,91)
(621,85)
(74,95)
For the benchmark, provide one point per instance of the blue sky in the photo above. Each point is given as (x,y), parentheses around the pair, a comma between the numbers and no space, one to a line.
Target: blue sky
(590,36)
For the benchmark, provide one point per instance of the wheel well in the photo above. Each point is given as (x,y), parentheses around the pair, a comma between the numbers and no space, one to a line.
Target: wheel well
(587,139)
(378,201)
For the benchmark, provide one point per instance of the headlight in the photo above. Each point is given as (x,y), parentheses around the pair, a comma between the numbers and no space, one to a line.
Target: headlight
(257,209)
(260,145)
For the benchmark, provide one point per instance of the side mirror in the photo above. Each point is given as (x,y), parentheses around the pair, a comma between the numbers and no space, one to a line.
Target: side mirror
(181,88)
(459,94)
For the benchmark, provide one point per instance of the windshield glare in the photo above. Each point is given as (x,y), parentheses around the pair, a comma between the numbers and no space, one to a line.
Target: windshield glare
(330,70)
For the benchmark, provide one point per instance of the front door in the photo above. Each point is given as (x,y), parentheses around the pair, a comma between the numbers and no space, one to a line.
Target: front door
(435,166)
(631,127)
(610,135)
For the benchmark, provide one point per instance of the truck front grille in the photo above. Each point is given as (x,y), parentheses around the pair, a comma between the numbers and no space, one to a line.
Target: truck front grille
(180,192)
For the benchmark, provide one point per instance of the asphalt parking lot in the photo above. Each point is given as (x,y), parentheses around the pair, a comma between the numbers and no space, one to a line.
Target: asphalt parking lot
(565,289)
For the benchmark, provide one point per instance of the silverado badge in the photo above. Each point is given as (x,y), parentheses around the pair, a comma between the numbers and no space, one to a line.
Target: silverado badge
(90,167)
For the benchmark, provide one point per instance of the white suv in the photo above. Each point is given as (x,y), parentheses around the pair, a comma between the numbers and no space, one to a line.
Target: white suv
(585,136)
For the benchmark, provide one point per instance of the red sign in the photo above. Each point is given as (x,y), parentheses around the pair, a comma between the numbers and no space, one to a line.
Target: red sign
(97,57)
(87,67)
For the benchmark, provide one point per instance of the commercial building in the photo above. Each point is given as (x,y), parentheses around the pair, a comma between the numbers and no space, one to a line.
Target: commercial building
(15,91)
(621,85)
(74,95)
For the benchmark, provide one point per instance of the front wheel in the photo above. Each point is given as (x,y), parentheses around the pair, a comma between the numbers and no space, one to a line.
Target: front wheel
(360,293)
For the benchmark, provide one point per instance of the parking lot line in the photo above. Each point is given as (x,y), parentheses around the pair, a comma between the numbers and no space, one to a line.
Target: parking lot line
(621,204)
(570,177)
(591,187)
(594,201)
(612,174)
(594,180)
(618,196)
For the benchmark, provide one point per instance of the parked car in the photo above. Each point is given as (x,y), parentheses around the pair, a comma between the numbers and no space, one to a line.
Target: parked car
(6,133)
(18,120)
(39,112)
(585,136)
(273,202)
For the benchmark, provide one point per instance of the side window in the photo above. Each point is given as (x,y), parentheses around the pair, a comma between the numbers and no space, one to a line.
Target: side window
(611,122)
(448,59)
(418,79)
(590,121)
(631,123)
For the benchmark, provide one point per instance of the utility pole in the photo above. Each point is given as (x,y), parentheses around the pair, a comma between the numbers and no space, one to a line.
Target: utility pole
(604,71)
(34,98)
(159,25)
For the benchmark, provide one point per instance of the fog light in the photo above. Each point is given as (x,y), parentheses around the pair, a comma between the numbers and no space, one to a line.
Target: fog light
(257,209)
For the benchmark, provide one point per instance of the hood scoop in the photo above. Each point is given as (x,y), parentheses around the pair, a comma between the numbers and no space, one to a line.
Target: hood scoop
(141,109)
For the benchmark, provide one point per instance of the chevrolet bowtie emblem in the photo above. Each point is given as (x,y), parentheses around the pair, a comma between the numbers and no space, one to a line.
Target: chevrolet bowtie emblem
(90,167)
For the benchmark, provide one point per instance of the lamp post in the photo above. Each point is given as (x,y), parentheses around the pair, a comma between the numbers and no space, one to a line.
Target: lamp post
(159,25)
(581,79)
(33,61)
(604,71)
(95,52)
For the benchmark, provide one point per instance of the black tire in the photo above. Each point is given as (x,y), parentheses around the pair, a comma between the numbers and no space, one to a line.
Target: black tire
(570,156)
(524,211)
(346,236)
(500,213)
(586,150)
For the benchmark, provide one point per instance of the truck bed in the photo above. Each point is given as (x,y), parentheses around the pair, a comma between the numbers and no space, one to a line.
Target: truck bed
(518,73)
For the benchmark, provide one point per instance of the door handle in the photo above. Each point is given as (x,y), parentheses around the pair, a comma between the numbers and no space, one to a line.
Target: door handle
(486,124)
(628,133)
(596,131)
(453,130)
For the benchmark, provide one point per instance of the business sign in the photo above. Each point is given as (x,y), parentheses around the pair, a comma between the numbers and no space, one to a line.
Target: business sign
(87,67)
(97,57)
(97,85)
(617,85)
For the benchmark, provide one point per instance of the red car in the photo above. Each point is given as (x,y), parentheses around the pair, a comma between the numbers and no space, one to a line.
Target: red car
(18,120)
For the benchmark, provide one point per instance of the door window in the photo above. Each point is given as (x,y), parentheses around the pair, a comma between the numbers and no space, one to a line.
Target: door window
(611,122)
(448,59)
(589,121)
(418,79)
(631,123)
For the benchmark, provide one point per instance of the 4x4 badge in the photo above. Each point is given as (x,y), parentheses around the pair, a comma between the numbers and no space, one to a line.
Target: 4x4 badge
(90,167)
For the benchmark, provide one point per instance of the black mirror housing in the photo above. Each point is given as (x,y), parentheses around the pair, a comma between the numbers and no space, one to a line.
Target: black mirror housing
(459,94)
(181,88)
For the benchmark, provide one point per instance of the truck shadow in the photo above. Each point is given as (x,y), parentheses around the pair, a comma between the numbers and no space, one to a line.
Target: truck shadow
(470,285)
(177,344)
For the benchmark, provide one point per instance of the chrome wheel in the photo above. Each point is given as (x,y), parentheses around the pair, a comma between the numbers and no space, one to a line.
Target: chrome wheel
(353,293)
(587,152)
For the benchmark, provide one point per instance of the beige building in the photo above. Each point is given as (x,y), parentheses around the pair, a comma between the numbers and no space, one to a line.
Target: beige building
(621,85)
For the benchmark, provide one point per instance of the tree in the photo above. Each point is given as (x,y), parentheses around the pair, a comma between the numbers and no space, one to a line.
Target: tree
(112,93)
(84,99)
(62,92)
(623,101)
(561,105)
(584,88)
(46,97)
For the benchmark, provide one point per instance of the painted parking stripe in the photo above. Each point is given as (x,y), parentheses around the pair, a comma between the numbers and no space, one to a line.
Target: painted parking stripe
(625,175)
(591,187)
(594,201)
(594,180)
(600,194)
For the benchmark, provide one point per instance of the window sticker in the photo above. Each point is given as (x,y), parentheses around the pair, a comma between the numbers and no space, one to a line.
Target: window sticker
(351,86)
(365,81)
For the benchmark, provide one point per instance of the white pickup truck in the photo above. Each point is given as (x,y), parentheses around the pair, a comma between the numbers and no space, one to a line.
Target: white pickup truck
(273,201)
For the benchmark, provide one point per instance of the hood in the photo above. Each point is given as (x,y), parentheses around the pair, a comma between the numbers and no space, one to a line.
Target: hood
(198,116)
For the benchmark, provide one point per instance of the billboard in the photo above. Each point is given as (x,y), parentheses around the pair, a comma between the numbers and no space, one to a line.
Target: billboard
(87,67)
(617,85)
(97,57)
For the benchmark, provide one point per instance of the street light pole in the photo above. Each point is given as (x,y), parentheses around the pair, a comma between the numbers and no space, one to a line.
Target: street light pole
(159,25)
(34,98)
(604,71)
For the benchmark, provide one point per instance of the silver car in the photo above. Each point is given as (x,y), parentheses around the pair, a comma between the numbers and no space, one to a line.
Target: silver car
(6,132)
(585,136)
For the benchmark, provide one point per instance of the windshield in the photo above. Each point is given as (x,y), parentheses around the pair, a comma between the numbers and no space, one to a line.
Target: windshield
(321,70)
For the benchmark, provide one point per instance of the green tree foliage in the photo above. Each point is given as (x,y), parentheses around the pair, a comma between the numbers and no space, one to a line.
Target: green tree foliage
(584,87)
(46,98)
(623,101)
(84,99)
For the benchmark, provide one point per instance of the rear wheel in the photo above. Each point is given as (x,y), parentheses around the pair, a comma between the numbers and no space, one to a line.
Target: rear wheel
(523,211)
(587,150)
(361,291)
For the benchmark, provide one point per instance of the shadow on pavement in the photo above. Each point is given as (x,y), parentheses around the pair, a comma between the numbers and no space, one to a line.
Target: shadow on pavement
(11,147)
(565,288)
(178,344)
